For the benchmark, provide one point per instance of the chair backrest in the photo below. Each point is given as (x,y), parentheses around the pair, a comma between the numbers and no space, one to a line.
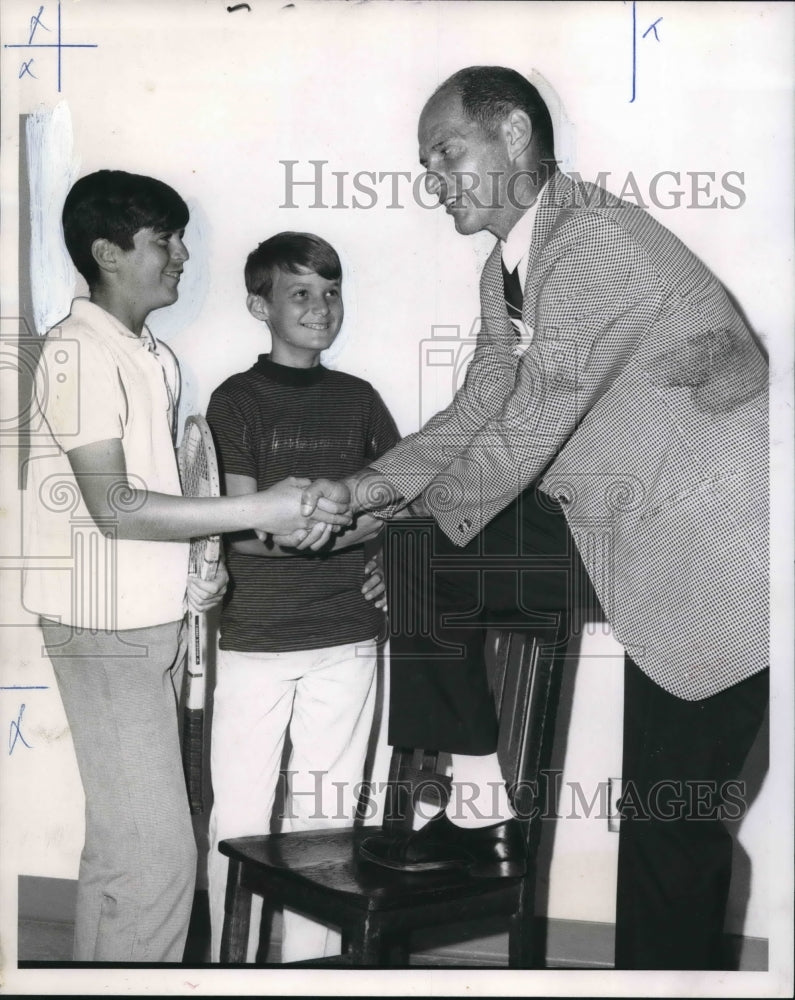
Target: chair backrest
(528,669)
(524,670)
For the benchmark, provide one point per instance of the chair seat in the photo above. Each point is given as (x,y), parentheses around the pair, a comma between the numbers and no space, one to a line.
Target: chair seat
(321,875)
(329,860)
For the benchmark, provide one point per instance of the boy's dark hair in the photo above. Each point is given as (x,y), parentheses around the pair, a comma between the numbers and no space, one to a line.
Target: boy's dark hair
(489,94)
(290,252)
(114,205)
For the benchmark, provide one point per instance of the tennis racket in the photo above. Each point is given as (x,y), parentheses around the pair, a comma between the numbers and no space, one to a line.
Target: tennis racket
(198,473)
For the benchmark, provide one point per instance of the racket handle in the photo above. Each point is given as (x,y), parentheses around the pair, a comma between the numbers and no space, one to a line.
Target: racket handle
(195,667)
(192,757)
(208,569)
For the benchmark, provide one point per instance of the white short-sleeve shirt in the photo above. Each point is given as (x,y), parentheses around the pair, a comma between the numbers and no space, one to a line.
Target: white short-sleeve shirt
(98,381)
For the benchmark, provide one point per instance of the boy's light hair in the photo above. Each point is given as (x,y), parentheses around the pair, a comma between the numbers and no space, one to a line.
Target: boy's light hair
(293,252)
(115,205)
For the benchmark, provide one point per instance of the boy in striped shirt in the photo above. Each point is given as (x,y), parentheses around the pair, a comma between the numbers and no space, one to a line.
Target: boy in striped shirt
(298,632)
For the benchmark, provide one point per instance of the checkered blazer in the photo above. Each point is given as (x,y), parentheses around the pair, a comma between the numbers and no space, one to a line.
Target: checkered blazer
(641,405)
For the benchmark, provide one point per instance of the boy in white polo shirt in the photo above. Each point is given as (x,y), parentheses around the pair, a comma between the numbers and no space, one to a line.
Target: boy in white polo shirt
(106,546)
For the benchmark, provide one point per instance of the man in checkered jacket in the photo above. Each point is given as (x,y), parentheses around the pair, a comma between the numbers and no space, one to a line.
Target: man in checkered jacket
(616,400)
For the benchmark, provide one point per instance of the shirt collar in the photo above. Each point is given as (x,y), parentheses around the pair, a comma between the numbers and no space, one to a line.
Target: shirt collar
(86,309)
(516,245)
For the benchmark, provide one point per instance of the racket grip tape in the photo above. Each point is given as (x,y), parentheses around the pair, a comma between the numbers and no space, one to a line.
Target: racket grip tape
(193,757)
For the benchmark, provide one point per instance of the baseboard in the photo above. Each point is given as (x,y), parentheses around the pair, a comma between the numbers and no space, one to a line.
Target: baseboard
(565,944)
(49,899)
(568,944)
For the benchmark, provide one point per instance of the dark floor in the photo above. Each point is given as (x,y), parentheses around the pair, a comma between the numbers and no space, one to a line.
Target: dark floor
(569,944)
(44,941)
(51,940)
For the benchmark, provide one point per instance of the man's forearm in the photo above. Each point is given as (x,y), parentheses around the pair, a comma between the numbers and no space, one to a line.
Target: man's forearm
(370,490)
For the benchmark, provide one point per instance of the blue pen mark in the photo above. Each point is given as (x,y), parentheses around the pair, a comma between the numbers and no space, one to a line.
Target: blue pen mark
(652,28)
(15,732)
(35,22)
(59,45)
(24,687)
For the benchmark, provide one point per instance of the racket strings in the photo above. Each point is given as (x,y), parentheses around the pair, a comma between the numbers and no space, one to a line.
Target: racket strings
(199,478)
(196,480)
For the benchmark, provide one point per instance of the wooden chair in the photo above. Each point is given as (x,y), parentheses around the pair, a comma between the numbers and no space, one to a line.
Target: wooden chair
(320,874)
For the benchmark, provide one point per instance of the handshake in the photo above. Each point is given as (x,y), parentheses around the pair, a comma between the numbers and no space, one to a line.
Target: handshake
(304,513)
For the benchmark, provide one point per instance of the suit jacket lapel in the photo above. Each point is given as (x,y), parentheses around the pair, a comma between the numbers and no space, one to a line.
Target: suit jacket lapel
(495,313)
(556,195)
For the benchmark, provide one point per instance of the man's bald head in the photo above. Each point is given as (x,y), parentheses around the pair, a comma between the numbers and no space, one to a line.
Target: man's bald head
(489,94)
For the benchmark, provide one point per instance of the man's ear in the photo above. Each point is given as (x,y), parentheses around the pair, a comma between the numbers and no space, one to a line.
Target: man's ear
(517,131)
(106,254)
(257,305)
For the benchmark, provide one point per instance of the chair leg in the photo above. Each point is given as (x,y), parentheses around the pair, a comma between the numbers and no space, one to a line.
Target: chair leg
(366,944)
(398,954)
(522,944)
(237,916)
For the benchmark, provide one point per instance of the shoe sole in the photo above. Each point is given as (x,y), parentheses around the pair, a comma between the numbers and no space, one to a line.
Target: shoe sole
(500,869)
(407,866)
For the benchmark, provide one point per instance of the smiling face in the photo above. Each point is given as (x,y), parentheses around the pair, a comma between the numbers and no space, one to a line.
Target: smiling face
(304,312)
(468,170)
(147,276)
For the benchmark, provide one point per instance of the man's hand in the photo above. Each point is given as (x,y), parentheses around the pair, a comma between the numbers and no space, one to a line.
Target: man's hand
(321,504)
(374,588)
(282,506)
(205,594)
(322,493)
(418,507)
(366,490)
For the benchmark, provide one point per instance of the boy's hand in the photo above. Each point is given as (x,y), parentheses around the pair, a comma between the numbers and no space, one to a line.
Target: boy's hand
(304,538)
(205,594)
(282,510)
(374,588)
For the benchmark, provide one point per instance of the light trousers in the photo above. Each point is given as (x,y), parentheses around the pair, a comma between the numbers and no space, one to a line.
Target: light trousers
(138,866)
(326,699)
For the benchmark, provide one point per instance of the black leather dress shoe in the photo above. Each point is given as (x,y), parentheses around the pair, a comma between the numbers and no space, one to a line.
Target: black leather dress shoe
(485,852)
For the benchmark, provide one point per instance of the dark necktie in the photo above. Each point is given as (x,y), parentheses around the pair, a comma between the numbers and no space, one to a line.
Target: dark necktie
(513,298)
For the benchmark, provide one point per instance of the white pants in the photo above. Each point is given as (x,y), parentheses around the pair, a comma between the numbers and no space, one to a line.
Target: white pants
(326,697)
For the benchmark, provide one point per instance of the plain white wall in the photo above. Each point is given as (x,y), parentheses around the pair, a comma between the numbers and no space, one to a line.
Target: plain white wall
(212,101)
